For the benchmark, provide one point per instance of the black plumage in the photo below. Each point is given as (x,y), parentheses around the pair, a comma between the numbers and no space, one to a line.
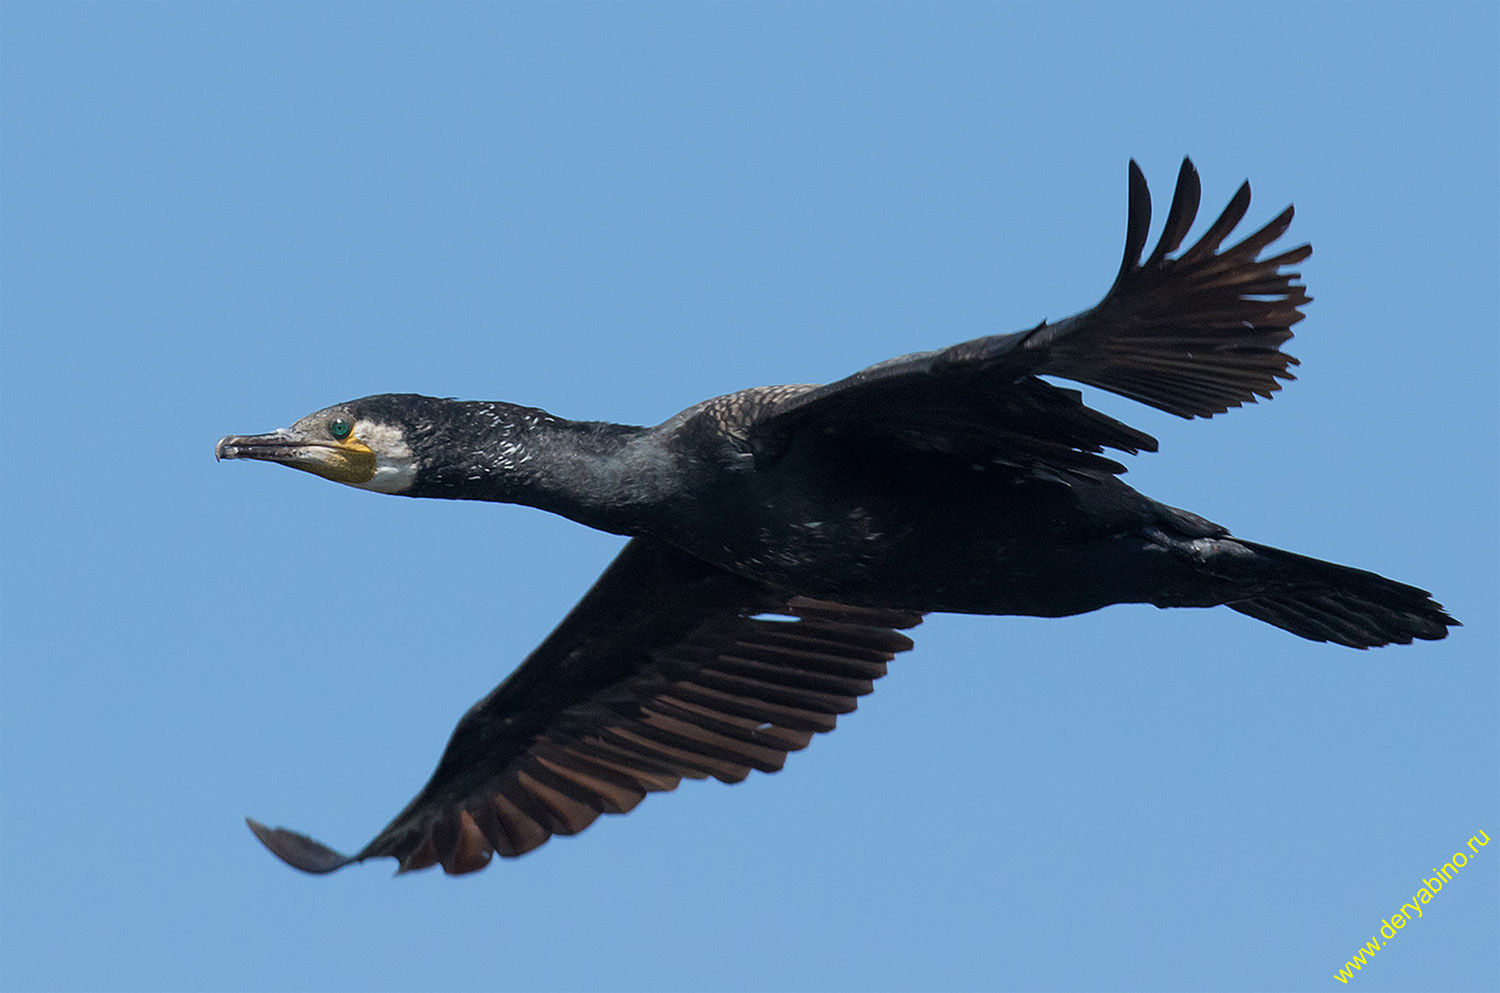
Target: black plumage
(784,537)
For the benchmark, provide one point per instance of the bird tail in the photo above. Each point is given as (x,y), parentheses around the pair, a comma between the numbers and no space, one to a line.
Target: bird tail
(1323,601)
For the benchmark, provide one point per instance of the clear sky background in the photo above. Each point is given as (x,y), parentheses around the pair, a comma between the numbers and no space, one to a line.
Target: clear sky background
(217,218)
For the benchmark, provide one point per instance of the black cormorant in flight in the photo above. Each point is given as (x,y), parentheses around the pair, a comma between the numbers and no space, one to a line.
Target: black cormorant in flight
(783,537)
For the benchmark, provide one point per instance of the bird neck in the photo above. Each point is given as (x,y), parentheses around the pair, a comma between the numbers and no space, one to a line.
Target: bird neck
(607,476)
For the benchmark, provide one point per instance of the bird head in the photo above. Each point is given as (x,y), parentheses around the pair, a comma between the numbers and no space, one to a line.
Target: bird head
(366,443)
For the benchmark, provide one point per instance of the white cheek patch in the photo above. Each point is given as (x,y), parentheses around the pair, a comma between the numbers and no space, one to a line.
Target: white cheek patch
(395,467)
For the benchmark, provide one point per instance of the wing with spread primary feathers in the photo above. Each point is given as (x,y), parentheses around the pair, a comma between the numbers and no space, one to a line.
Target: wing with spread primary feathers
(668,668)
(1194,335)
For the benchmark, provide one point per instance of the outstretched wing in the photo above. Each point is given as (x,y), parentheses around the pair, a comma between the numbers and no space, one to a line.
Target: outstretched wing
(668,668)
(1194,335)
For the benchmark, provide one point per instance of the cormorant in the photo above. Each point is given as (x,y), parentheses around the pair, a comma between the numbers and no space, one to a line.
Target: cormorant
(783,537)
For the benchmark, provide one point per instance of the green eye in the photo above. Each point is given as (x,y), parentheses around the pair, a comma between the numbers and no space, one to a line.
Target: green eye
(340,427)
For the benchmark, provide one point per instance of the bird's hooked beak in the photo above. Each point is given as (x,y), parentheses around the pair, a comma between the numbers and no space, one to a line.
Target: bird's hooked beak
(346,461)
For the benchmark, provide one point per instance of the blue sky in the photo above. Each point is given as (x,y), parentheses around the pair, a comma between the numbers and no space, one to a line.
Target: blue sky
(217,218)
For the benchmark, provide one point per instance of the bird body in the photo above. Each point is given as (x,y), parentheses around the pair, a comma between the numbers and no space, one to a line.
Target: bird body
(783,537)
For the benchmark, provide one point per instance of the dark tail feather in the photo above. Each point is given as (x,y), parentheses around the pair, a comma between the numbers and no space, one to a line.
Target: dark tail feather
(1322,601)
